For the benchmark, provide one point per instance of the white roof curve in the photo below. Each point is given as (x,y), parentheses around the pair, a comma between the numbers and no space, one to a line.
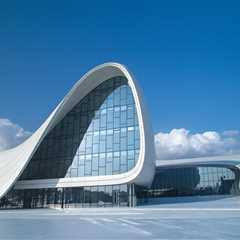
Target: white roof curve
(232,161)
(14,161)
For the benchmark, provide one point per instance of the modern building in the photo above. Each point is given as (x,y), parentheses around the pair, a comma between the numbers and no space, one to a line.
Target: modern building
(97,149)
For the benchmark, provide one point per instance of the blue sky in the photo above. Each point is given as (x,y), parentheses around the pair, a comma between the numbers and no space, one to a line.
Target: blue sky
(185,55)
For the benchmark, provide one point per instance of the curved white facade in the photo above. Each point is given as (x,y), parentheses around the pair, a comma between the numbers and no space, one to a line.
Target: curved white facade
(231,161)
(14,161)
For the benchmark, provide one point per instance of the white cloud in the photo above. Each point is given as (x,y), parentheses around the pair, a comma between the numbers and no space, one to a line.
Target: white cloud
(178,143)
(11,134)
(231,133)
(181,143)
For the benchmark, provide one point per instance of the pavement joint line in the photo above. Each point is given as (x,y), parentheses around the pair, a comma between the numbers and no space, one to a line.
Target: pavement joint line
(191,209)
(129,221)
(104,213)
(108,220)
(137,229)
(93,221)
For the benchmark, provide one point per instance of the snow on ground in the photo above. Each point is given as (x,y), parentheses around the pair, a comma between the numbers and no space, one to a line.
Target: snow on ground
(217,218)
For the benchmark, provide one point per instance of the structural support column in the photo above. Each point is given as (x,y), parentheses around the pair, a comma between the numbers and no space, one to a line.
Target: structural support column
(236,185)
(132,195)
(62,198)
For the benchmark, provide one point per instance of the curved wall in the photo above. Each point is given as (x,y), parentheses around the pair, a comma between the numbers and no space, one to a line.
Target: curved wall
(14,161)
(99,136)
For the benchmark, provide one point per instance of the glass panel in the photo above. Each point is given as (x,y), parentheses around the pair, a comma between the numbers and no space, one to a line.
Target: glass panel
(192,181)
(99,136)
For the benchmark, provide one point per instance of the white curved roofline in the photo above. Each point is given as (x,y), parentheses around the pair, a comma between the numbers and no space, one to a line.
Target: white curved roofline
(14,161)
(222,160)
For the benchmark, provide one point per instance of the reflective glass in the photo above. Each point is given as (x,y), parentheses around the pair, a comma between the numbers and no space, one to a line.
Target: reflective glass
(101,196)
(99,136)
(192,181)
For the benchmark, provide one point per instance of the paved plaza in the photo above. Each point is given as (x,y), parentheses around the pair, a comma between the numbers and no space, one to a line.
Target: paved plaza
(216,219)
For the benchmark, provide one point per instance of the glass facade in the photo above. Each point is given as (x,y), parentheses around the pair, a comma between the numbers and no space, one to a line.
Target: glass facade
(101,196)
(189,181)
(99,136)
(175,182)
